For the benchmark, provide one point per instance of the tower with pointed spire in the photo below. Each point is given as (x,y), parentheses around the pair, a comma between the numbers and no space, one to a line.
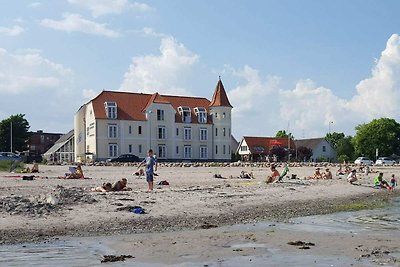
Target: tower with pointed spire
(220,110)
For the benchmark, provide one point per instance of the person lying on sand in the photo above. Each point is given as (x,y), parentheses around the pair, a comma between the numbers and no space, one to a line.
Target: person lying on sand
(380,183)
(327,174)
(352,177)
(317,175)
(274,175)
(106,187)
(246,175)
(121,185)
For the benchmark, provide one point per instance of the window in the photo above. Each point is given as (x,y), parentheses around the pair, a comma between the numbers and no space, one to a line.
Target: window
(224,149)
(160,114)
(139,129)
(130,129)
(130,149)
(243,148)
(177,131)
(216,131)
(323,148)
(187,133)
(203,134)
(223,115)
(223,131)
(187,152)
(186,114)
(162,151)
(111,109)
(216,149)
(112,131)
(201,114)
(91,129)
(112,150)
(140,149)
(162,132)
(203,152)
(177,149)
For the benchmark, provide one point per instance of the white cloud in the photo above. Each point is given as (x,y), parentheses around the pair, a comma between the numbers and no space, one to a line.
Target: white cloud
(89,94)
(164,73)
(29,71)
(379,95)
(151,32)
(262,107)
(34,4)
(75,23)
(13,31)
(104,7)
(36,86)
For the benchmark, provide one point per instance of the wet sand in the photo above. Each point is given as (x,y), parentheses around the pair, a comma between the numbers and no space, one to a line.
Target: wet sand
(194,200)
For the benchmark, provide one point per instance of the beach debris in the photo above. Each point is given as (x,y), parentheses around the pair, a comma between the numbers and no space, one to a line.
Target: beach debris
(301,244)
(207,225)
(138,210)
(114,258)
(52,200)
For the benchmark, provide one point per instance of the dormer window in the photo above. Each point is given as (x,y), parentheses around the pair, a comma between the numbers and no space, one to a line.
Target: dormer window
(111,109)
(201,114)
(186,114)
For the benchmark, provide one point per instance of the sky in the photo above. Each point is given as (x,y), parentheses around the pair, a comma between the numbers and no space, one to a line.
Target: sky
(304,66)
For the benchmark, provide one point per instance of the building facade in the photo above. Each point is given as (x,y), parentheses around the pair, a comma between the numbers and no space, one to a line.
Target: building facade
(63,149)
(39,142)
(321,149)
(176,127)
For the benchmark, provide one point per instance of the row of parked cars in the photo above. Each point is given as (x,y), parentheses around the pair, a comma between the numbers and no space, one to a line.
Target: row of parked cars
(379,161)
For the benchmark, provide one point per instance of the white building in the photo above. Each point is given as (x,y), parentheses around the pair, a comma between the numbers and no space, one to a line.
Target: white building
(175,127)
(320,147)
(62,150)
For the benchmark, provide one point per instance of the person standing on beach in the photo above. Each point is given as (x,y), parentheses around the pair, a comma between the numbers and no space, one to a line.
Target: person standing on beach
(151,166)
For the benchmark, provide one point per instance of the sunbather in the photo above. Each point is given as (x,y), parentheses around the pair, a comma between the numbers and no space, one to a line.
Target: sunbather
(327,174)
(106,187)
(77,173)
(35,167)
(246,175)
(274,175)
(380,183)
(121,185)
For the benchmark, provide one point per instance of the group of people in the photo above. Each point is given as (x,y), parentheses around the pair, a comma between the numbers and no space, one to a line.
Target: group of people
(150,164)
(327,174)
(379,182)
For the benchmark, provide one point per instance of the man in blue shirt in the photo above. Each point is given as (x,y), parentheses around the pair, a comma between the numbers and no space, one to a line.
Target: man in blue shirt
(151,167)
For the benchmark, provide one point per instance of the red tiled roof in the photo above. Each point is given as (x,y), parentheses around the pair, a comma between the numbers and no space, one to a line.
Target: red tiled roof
(132,106)
(262,145)
(220,99)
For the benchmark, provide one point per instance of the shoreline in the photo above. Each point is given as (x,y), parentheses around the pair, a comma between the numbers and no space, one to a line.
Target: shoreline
(278,212)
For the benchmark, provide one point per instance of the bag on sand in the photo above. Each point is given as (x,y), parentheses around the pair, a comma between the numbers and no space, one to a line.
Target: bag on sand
(163,183)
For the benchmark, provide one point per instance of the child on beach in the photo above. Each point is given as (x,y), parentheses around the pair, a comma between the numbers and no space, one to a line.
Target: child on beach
(380,183)
(151,167)
(393,182)
(352,177)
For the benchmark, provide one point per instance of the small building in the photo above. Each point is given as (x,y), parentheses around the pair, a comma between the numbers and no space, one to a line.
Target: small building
(321,148)
(39,142)
(253,148)
(176,127)
(62,150)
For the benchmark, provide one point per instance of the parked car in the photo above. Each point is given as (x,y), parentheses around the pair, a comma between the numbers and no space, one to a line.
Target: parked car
(125,158)
(364,161)
(10,156)
(385,161)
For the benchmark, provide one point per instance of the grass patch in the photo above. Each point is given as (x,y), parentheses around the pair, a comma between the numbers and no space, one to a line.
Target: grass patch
(6,164)
(363,205)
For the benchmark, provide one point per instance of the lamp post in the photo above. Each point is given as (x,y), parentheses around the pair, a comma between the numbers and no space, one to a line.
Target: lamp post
(149,118)
(331,122)
(11,137)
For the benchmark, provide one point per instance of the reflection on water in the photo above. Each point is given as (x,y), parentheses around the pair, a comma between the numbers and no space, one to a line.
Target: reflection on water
(89,251)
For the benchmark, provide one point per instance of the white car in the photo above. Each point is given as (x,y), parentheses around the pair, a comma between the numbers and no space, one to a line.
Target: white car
(384,161)
(363,161)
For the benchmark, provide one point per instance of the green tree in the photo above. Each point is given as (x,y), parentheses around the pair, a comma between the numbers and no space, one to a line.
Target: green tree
(334,138)
(382,134)
(20,135)
(345,149)
(283,134)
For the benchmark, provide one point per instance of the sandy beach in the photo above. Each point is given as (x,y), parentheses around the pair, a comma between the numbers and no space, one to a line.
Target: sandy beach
(193,200)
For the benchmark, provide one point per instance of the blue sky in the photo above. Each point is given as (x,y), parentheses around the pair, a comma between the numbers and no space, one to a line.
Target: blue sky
(302,63)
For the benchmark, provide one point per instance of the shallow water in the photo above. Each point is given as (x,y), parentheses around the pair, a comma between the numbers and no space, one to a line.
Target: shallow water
(89,251)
